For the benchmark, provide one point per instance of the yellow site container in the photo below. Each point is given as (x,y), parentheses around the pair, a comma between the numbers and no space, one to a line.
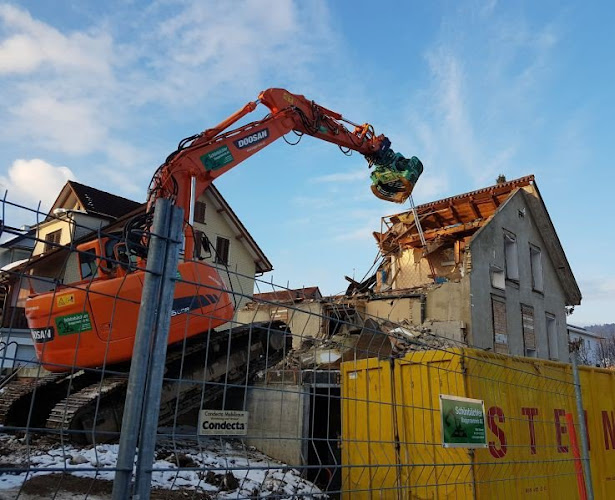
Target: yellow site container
(392,439)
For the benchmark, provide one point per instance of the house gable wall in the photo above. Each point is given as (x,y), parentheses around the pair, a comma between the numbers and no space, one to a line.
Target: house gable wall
(241,265)
(73,227)
(487,250)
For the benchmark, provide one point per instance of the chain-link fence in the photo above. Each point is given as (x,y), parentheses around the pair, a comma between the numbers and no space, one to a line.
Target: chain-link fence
(126,374)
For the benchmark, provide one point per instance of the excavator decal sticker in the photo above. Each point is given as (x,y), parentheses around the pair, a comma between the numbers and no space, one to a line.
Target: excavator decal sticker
(217,158)
(252,139)
(73,323)
(66,300)
(184,305)
(42,334)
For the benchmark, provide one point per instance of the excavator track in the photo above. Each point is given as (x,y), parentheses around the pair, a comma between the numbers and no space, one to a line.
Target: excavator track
(16,407)
(79,410)
(88,407)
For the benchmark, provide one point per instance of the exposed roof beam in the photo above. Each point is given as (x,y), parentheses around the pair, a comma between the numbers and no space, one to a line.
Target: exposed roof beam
(434,233)
(454,212)
(495,200)
(474,208)
(439,218)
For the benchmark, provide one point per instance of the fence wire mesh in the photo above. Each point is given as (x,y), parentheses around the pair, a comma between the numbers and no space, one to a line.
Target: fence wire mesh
(266,392)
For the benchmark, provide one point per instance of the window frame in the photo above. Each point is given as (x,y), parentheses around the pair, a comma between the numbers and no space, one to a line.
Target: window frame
(495,299)
(537,271)
(511,264)
(527,312)
(92,264)
(219,257)
(552,341)
(200,211)
(202,243)
(51,242)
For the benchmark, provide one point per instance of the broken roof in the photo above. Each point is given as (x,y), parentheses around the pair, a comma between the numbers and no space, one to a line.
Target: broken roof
(463,215)
(460,214)
(297,295)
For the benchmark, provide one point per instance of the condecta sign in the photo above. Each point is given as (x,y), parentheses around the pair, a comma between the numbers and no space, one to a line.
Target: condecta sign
(223,423)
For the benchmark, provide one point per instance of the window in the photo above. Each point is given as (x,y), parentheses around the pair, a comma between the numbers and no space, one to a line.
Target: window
(529,335)
(497,277)
(536,264)
(500,331)
(552,336)
(222,250)
(87,261)
(202,246)
(511,256)
(52,240)
(199,212)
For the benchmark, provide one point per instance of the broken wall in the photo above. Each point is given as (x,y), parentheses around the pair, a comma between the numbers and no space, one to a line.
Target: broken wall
(444,308)
(412,267)
(304,319)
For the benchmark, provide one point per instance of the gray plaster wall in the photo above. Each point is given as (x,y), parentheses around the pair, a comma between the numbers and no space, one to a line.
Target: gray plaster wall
(278,422)
(487,249)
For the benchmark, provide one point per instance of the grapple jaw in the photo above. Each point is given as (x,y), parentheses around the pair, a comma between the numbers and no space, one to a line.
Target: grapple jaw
(394,176)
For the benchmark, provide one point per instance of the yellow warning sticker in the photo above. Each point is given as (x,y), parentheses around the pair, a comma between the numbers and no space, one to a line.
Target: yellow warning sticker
(66,300)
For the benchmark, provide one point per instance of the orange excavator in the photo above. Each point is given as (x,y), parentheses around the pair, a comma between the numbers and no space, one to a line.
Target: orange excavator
(92,322)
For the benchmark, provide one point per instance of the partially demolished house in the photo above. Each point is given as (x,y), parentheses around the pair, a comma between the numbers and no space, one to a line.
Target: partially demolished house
(488,262)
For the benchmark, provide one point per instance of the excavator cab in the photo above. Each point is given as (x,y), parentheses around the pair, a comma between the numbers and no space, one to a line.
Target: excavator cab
(98,258)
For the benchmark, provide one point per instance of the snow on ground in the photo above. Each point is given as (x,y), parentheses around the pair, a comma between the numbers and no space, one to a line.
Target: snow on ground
(222,469)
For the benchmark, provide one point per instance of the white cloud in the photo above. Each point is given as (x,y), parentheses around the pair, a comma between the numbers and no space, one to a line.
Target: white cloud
(31,181)
(36,44)
(68,126)
(85,91)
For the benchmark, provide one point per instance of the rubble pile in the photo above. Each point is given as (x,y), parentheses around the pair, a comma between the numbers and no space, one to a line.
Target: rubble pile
(374,339)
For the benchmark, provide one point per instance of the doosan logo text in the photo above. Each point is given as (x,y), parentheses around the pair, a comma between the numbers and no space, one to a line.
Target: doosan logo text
(254,138)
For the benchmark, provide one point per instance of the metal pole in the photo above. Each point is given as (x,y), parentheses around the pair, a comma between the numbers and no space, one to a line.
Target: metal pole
(140,354)
(582,427)
(147,442)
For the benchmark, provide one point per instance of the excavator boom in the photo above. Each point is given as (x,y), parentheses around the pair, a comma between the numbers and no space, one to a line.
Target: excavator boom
(92,322)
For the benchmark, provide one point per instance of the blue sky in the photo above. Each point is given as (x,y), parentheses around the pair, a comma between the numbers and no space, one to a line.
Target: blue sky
(101,92)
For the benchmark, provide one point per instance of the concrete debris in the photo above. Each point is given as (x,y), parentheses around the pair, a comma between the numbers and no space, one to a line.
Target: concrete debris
(374,339)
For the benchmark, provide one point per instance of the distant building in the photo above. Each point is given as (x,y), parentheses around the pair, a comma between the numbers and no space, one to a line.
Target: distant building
(18,248)
(588,345)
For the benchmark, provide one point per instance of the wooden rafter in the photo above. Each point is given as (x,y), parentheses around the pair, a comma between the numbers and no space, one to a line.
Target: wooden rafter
(495,200)
(434,233)
(439,218)
(454,212)
(474,208)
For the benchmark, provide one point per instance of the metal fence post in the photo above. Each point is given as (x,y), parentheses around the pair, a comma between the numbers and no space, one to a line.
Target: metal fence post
(147,441)
(582,426)
(140,358)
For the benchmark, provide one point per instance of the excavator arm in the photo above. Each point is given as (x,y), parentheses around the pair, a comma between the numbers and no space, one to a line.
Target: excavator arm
(105,300)
(202,158)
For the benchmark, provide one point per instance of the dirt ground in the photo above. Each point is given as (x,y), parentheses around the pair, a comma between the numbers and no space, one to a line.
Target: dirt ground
(68,487)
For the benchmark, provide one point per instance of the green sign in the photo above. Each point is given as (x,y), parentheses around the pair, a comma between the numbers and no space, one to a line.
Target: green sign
(217,158)
(463,422)
(73,323)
